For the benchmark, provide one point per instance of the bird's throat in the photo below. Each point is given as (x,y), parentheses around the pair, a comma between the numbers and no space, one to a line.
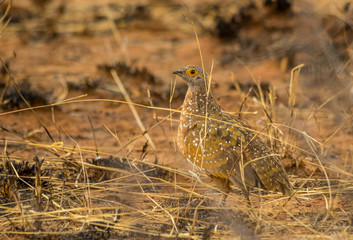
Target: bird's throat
(197,100)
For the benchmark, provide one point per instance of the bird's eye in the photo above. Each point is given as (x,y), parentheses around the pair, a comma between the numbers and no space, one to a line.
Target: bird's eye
(192,72)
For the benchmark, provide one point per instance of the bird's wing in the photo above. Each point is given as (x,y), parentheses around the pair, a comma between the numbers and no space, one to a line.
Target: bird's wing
(216,148)
(263,161)
(268,167)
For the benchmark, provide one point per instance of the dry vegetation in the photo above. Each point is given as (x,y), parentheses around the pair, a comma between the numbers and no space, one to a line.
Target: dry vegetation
(89,112)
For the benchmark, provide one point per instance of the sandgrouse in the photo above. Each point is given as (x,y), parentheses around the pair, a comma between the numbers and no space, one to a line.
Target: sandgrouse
(221,145)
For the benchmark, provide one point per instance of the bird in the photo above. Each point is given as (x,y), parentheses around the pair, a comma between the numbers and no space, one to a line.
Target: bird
(222,146)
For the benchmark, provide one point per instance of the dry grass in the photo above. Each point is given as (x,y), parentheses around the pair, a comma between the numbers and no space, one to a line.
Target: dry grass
(122,197)
(128,197)
(78,191)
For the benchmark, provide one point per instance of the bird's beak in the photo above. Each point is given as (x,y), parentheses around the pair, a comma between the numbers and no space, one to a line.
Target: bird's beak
(178,72)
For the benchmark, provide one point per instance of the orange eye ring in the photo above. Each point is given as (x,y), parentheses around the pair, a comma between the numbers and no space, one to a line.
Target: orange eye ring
(192,72)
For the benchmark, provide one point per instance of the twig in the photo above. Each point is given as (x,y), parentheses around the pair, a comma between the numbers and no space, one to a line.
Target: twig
(94,135)
(132,107)
(27,103)
(38,192)
(294,77)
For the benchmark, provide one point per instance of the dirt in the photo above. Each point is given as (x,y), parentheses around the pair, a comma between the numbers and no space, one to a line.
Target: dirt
(61,54)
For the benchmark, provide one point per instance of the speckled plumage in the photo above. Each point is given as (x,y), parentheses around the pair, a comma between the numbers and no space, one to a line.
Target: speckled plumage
(223,146)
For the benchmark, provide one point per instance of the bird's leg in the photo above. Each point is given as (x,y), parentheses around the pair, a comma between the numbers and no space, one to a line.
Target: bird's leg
(224,186)
(247,196)
(249,206)
(224,197)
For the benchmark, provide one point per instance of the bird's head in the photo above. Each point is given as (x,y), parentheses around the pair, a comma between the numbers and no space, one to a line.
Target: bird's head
(193,74)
